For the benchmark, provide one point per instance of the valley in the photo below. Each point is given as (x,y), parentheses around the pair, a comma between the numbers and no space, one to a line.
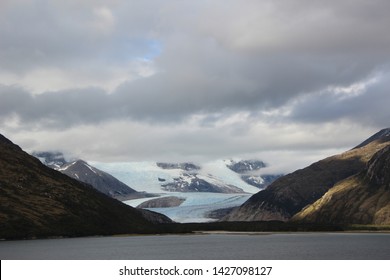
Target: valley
(201,190)
(349,191)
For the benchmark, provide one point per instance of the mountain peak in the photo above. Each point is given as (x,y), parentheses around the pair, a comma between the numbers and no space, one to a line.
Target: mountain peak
(100,180)
(77,164)
(382,136)
(52,159)
(363,198)
(245,166)
(291,193)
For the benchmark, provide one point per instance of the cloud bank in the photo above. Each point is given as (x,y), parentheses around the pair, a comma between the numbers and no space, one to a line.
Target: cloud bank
(200,79)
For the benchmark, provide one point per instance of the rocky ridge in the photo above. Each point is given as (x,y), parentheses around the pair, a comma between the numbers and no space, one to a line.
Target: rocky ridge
(84,172)
(289,194)
(100,180)
(360,199)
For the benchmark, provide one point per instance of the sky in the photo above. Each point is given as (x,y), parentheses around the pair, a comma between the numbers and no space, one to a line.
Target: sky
(288,82)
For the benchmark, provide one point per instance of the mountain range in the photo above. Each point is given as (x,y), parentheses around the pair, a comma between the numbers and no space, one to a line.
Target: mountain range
(174,184)
(165,177)
(37,201)
(347,188)
(161,177)
(188,192)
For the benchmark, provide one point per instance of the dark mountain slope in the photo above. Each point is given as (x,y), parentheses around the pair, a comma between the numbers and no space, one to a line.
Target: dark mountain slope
(84,172)
(291,193)
(360,199)
(37,201)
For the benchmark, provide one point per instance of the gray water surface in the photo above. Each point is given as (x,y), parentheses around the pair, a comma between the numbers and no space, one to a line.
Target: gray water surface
(280,246)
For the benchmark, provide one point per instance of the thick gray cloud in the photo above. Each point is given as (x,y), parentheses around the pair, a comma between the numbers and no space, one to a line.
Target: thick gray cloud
(64,34)
(55,110)
(367,105)
(225,66)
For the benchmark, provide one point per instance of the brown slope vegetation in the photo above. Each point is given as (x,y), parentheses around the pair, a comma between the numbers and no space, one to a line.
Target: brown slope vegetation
(36,201)
(291,193)
(360,199)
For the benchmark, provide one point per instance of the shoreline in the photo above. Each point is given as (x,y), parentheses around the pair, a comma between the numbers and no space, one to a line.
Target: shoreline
(206,232)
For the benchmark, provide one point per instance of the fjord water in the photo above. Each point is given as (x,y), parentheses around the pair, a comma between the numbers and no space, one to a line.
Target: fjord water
(280,246)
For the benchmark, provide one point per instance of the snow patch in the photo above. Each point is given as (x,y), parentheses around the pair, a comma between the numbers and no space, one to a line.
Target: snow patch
(91,168)
(65,167)
(147,176)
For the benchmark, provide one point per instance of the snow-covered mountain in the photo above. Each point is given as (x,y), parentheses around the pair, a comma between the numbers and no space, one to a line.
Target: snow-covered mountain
(84,172)
(201,189)
(153,177)
(100,180)
(260,182)
(245,166)
(51,159)
(249,169)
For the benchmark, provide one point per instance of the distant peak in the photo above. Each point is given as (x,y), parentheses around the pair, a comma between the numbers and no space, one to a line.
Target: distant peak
(53,159)
(76,163)
(80,161)
(244,166)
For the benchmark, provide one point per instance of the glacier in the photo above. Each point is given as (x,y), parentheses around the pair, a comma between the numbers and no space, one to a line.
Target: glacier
(196,205)
(149,177)
(143,176)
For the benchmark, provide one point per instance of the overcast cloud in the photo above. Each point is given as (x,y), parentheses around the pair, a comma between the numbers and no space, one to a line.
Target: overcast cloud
(194,80)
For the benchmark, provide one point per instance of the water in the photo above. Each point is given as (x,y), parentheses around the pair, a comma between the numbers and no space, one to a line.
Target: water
(286,246)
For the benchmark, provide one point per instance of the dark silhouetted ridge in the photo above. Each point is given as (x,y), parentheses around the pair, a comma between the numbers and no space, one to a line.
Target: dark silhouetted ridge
(37,201)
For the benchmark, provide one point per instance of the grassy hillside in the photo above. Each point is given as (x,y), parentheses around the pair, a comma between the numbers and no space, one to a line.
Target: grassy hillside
(291,193)
(361,199)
